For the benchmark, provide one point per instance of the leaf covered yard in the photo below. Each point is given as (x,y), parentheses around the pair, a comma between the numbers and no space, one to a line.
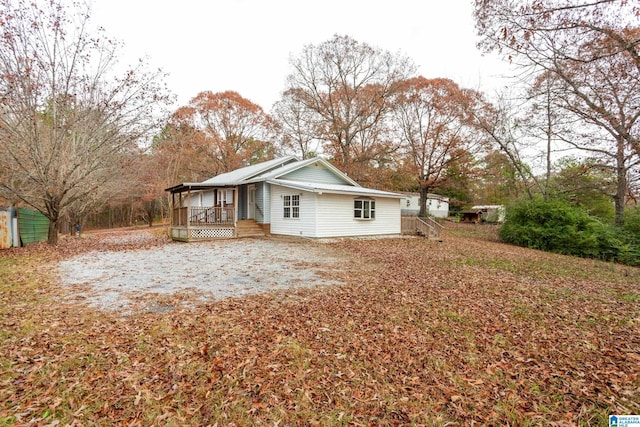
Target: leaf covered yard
(467,331)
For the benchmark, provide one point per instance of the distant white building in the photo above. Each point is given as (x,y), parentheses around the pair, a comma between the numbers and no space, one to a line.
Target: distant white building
(437,205)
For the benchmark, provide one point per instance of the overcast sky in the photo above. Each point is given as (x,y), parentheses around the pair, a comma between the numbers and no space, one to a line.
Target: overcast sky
(245,45)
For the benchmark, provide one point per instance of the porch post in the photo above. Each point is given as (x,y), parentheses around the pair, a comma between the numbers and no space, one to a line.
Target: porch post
(235,204)
(171,205)
(188,213)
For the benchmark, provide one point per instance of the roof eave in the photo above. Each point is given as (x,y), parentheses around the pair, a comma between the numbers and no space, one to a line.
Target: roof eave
(353,192)
(183,185)
(195,186)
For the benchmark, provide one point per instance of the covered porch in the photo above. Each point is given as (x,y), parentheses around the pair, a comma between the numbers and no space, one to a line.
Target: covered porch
(201,212)
(198,223)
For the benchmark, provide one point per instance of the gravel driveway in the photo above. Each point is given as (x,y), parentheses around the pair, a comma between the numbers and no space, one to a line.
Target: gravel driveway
(120,280)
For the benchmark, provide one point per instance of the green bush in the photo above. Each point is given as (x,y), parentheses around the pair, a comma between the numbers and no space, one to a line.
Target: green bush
(630,236)
(632,223)
(559,226)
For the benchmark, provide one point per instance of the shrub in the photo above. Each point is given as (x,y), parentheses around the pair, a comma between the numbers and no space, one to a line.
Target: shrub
(630,236)
(632,223)
(559,226)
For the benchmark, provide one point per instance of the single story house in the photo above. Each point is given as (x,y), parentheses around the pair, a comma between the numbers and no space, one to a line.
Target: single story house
(437,206)
(285,196)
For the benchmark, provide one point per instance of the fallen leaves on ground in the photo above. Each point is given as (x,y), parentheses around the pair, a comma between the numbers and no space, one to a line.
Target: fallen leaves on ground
(98,240)
(466,331)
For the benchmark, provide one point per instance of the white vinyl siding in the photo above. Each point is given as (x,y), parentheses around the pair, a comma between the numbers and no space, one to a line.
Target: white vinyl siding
(303,226)
(436,206)
(207,198)
(331,215)
(263,205)
(202,198)
(336,217)
(314,173)
(196,198)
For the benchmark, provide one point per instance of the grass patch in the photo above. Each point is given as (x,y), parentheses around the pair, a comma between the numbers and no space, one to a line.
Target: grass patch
(630,297)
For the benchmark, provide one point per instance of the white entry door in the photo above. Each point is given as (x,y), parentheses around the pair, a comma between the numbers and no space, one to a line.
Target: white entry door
(251,202)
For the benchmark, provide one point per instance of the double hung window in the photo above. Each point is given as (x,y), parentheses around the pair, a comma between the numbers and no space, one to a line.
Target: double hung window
(292,206)
(364,209)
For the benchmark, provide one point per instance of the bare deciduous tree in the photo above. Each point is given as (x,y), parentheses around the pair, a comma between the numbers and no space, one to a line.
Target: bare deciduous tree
(591,54)
(295,126)
(347,85)
(434,121)
(65,116)
(499,124)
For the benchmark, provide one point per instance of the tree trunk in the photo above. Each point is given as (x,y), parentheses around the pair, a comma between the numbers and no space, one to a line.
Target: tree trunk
(549,138)
(621,183)
(150,214)
(424,193)
(52,237)
(53,215)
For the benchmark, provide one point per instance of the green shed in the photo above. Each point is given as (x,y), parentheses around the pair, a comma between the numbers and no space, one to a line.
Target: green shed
(33,226)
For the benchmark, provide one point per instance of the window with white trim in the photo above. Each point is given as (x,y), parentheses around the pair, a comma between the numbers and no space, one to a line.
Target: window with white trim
(364,209)
(225,197)
(291,206)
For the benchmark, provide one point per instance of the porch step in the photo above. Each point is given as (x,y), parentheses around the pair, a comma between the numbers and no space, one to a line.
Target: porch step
(429,236)
(249,228)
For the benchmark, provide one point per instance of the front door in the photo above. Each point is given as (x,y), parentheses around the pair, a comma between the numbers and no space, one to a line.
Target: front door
(251,202)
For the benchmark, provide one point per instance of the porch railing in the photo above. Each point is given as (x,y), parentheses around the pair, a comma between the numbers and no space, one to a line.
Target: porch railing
(203,216)
(426,226)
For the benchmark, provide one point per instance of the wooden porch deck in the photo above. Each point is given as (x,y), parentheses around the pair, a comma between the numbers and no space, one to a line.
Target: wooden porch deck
(208,223)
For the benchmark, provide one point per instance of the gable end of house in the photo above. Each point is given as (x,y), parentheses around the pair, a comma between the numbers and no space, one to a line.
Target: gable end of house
(315,172)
